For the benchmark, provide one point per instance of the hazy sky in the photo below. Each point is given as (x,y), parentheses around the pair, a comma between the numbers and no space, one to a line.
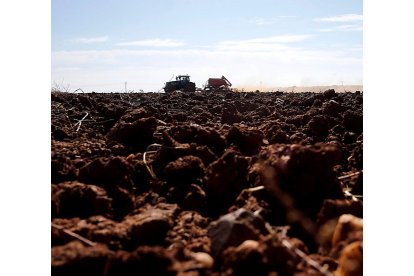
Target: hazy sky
(101,44)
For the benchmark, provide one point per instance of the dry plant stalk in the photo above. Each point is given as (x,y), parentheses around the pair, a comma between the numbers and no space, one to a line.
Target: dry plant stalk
(80,121)
(161,122)
(255,189)
(346,189)
(144,158)
(147,151)
(348,193)
(349,175)
(74,235)
(148,166)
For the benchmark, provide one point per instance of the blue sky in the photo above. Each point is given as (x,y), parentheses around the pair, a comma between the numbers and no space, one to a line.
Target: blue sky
(100,45)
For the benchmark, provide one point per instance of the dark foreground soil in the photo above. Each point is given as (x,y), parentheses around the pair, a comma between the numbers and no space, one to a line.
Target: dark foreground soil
(207,184)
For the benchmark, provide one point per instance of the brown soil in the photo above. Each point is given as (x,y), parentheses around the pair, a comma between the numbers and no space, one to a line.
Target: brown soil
(205,183)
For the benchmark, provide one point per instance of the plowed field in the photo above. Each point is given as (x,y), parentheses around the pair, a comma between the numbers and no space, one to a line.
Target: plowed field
(207,183)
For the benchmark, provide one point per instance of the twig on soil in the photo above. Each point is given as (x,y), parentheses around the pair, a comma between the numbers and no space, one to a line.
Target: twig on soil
(161,122)
(349,175)
(148,166)
(348,193)
(74,235)
(255,189)
(80,121)
(347,190)
(282,238)
(322,269)
(147,151)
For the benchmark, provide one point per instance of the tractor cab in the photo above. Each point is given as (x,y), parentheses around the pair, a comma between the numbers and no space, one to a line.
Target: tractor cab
(183,78)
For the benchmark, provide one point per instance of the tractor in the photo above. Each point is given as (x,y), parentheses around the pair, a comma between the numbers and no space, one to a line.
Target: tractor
(182,83)
(217,84)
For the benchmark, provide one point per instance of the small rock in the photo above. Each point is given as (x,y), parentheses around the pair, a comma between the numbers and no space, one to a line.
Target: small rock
(233,229)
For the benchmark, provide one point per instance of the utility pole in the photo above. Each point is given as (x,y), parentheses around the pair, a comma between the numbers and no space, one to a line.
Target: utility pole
(126,87)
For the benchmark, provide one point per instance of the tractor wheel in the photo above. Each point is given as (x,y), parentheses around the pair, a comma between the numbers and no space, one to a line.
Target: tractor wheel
(190,87)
